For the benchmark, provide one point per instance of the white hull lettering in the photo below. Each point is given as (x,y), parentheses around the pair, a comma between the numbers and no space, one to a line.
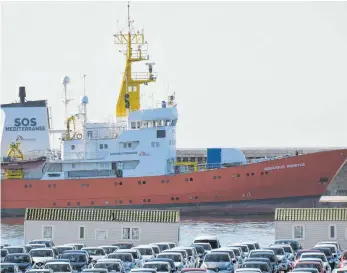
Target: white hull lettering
(284,166)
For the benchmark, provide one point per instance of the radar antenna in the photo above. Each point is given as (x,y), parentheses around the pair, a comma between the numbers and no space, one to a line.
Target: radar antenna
(135,50)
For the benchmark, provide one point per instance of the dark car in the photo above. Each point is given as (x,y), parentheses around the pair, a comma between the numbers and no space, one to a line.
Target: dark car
(9,268)
(22,260)
(264,260)
(78,261)
(263,266)
(294,243)
(95,270)
(328,254)
(124,245)
(3,254)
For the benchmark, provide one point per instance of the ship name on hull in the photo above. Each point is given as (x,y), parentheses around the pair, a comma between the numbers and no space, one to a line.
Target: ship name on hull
(284,166)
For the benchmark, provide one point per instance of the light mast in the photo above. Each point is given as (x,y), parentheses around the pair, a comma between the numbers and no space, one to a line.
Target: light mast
(135,50)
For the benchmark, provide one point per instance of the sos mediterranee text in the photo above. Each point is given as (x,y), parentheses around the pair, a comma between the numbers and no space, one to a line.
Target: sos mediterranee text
(25,124)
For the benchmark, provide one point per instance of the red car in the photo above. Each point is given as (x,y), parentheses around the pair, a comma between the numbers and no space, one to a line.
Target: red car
(343,260)
(310,265)
(193,270)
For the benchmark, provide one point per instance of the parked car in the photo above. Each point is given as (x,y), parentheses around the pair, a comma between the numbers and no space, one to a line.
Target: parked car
(135,253)
(319,255)
(78,260)
(303,265)
(111,265)
(42,255)
(124,245)
(264,260)
(146,252)
(109,249)
(263,253)
(22,260)
(15,249)
(177,258)
(243,247)
(159,266)
(63,248)
(3,253)
(162,246)
(170,261)
(127,259)
(218,261)
(47,243)
(77,246)
(59,267)
(296,246)
(213,240)
(263,266)
(9,268)
(95,253)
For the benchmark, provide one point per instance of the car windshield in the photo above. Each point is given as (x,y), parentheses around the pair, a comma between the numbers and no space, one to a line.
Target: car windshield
(307,256)
(244,248)
(41,253)
(158,267)
(270,256)
(251,246)
(109,250)
(163,247)
(61,267)
(15,250)
(231,253)
(175,258)
(17,259)
(189,251)
(77,258)
(145,251)
(3,252)
(108,266)
(39,242)
(7,268)
(134,254)
(205,246)
(156,249)
(199,249)
(237,252)
(62,249)
(262,267)
(95,252)
(123,257)
(213,243)
(217,258)
(123,246)
(308,265)
(326,251)
(183,252)
(278,251)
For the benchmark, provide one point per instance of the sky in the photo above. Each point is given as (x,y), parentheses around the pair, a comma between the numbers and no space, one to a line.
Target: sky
(245,74)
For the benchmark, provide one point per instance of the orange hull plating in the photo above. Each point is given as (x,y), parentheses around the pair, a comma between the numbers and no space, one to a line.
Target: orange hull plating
(251,183)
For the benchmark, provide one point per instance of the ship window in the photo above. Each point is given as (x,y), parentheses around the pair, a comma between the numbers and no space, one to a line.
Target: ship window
(129,145)
(161,133)
(133,125)
(73,165)
(105,146)
(124,145)
(131,233)
(298,232)
(145,124)
(101,146)
(138,125)
(332,232)
(72,147)
(54,175)
(89,134)
(131,88)
(47,232)
(173,123)
(157,144)
(153,144)
(167,123)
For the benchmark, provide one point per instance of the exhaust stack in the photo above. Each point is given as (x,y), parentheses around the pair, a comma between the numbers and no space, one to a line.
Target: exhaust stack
(22,94)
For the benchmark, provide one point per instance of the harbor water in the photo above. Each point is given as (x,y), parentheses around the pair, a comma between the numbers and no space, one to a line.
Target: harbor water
(228,230)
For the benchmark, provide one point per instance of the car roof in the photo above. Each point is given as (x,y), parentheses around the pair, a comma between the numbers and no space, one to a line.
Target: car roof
(217,252)
(157,262)
(305,262)
(127,250)
(59,263)
(42,248)
(94,269)
(91,247)
(255,262)
(313,253)
(142,246)
(142,269)
(247,269)
(109,260)
(9,264)
(206,237)
(16,254)
(168,252)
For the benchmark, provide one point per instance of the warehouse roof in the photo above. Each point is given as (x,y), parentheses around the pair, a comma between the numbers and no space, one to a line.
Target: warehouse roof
(106,215)
(311,214)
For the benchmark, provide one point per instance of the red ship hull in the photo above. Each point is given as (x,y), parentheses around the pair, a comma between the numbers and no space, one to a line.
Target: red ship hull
(255,188)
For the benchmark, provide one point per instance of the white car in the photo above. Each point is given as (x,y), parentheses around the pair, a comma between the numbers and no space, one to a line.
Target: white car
(95,253)
(248,270)
(110,249)
(146,251)
(15,249)
(112,265)
(42,255)
(177,258)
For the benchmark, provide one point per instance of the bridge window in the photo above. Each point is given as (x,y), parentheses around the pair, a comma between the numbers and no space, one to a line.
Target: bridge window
(131,88)
(173,123)
(133,125)
(72,147)
(54,175)
(105,146)
(89,134)
(101,146)
(161,133)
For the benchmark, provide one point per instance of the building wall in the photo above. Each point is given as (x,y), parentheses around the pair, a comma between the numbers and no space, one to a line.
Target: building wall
(68,232)
(314,231)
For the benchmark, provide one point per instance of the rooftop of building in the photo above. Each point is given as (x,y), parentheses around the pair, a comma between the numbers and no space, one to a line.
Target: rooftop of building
(311,214)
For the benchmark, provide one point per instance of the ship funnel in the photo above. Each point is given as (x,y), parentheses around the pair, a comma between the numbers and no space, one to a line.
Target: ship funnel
(22,94)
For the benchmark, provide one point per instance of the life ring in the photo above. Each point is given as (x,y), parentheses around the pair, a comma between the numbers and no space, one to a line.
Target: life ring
(79,136)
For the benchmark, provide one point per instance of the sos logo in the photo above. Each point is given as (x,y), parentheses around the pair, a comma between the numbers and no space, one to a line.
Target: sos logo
(25,122)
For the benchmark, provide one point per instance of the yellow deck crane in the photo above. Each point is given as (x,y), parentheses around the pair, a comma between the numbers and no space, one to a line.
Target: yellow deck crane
(15,155)
(68,136)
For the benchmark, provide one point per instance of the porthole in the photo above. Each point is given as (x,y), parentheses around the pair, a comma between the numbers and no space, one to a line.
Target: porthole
(172,198)
(144,200)
(262,173)
(219,177)
(266,172)
(25,186)
(186,179)
(139,182)
(252,174)
(92,202)
(54,204)
(120,202)
(49,186)
(215,177)
(144,182)
(163,181)
(247,174)
(69,204)
(196,197)
(238,175)
(130,201)
(78,203)
(191,179)
(121,183)
(177,198)
(149,200)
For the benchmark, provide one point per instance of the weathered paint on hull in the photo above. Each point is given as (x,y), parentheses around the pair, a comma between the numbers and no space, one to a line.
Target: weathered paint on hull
(243,189)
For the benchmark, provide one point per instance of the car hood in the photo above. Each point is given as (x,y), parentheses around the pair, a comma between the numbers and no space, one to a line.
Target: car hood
(217,264)
(41,259)
(147,257)
(177,264)
(96,257)
(280,257)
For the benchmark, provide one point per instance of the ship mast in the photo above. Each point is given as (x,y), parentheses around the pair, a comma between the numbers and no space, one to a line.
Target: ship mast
(129,95)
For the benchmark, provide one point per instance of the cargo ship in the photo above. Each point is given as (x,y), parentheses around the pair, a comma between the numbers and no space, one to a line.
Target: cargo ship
(131,163)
